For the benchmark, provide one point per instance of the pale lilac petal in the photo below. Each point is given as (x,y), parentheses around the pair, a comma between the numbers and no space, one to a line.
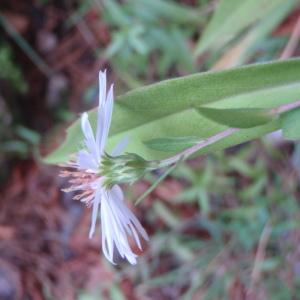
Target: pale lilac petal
(115,238)
(101,110)
(111,232)
(120,147)
(107,227)
(109,105)
(108,108)
(89,136)
(102,87)
(85,160)
(118,222)
(95,210)
(117,192)
(86,127)
(135,235)
(139,227)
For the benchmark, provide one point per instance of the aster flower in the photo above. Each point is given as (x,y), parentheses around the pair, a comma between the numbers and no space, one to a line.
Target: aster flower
(118,223)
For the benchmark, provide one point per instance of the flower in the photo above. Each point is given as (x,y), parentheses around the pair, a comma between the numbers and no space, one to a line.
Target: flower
(118,223)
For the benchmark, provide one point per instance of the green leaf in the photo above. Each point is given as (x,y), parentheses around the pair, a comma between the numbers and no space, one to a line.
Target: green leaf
(171,144)
(290,122)
(28,135)
(168,108)
(231,18)
(114,10)
(237,117)
(243,49)
(172,11)
(116,293)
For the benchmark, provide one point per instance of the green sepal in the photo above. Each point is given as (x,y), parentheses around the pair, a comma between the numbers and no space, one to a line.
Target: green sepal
(127,168)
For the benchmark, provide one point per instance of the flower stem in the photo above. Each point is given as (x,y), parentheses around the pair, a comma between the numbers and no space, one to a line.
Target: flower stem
(156,183)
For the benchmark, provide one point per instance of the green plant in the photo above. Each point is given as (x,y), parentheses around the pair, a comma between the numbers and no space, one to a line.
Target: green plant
(169,108)
(10,72)
(150,31)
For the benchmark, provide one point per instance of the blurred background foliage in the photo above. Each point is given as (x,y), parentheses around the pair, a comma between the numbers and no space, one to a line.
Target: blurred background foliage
(224,226)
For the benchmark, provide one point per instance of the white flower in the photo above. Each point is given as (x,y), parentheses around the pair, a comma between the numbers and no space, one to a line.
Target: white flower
(118,223)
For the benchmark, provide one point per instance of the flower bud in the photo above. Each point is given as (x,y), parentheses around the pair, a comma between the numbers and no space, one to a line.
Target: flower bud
(126,168)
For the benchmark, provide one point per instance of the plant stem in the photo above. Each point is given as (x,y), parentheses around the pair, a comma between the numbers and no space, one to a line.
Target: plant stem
(203,143)
(259,258)
(219,136)
(155,184)
(285,107)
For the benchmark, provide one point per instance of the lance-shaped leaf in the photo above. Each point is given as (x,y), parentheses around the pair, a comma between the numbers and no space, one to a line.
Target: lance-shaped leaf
(290,123)
(237,117)
(231,18)
(169,108)
(243,49)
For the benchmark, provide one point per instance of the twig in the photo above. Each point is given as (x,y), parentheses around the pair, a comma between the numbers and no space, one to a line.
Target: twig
(292,43)
(86,33)
(259,257)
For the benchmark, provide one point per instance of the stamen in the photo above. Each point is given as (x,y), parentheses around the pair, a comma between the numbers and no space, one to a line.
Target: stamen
(82,182)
